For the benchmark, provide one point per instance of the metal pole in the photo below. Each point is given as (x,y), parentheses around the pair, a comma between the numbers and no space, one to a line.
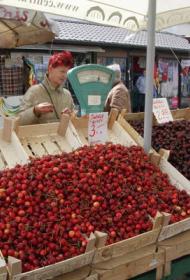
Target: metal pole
(150,58)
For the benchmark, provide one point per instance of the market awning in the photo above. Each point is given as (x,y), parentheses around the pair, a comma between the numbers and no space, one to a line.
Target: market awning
(22,27)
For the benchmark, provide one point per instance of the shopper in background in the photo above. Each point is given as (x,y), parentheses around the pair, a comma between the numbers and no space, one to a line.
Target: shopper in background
(141,86)
(46,102)
(118,97)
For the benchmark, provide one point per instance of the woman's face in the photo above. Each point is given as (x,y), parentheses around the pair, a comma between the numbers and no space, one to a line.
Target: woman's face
(58,75)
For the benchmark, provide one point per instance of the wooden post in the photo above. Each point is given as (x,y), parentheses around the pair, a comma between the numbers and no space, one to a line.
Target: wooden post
(63,125)
(16,124)
(154,158)
(14,265)
(7,129)
(159,273)
(101,238)
(3,270)
(123,112)
(158,222)
(91,243)
(166,218)
(164,153)
(112,117)
(167,266)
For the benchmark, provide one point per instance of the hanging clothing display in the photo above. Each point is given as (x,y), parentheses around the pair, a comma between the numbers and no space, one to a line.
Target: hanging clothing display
(168,75)
(12,78)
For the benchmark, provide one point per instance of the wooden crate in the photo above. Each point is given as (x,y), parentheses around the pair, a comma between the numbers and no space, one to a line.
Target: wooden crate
(3,269)
(179,114)
(76,268)
(176,178)
(38,140)
(18,144)
(129,258)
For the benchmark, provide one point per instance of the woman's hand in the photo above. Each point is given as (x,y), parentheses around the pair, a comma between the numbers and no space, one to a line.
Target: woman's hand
(43,108)
(66,111)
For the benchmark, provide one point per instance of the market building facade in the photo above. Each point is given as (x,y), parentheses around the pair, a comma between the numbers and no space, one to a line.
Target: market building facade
(95,43)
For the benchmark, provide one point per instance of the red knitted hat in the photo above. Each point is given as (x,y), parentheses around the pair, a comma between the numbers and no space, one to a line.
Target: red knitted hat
(63,58)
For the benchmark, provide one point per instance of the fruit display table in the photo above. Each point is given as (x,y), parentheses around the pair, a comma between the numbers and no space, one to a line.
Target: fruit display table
(113,255)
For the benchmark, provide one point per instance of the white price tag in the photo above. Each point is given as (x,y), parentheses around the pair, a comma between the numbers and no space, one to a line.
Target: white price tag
(161,110)
(97,128)
(94,100)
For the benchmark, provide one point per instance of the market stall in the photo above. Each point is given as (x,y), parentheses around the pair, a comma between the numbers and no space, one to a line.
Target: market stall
(62,183)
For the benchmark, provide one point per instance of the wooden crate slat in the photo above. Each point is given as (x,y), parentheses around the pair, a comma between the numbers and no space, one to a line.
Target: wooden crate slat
(2,163)
(62,143)
(81,133)
(178,251)
(79,274)
(50,146)
(144,263)
(57,269)
(174,229)
(175,248)
(181,114)
(125,258)
(72,137)
(176,114)
(123,137)
(131,131)
(24,143)
(35,144)
(126,246)
(81,122)
(134,116)
(176,178)
(13,151)
(37,130)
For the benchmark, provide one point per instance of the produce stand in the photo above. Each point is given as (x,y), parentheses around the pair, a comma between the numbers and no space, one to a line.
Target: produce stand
(121,260)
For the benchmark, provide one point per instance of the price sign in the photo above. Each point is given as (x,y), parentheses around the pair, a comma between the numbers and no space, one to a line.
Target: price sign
(94,100)
(161,110)
(97,128)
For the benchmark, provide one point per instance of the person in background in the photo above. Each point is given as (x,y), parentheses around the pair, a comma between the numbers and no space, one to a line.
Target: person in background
(141,86)
(118,97)
(46,102)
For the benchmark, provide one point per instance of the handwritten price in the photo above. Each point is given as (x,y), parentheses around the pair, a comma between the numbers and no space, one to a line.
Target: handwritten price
(97,128)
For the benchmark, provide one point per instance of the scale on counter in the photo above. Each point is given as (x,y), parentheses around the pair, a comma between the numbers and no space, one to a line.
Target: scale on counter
(91,84)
